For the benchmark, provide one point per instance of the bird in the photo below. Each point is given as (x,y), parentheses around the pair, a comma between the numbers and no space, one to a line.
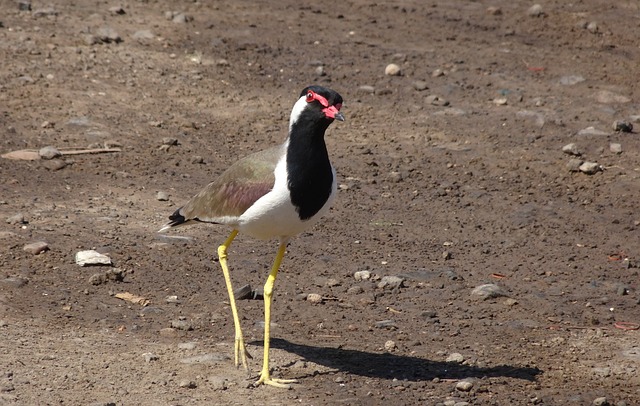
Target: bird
(273,194)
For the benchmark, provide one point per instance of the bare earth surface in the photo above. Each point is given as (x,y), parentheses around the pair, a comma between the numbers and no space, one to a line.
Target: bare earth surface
(448,193)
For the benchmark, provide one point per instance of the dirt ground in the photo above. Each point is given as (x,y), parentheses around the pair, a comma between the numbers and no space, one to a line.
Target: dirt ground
(451,174)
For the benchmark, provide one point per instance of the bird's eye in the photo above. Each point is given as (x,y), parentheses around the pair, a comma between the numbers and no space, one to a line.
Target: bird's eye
(310,96)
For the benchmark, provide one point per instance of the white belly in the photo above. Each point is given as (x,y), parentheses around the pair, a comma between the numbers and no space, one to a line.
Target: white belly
(274,216)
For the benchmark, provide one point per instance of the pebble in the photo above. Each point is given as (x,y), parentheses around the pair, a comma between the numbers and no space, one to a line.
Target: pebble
(392,70)
(15,282)
(500,101)
(149,356)
(385,324)
(464,386)
(362,275)
(436,100)
(571,149)
(395,177)
(108,35)
(45,12)
(592,131)
(437,73)
(168,332)
(49,152)
(615,148)
(162,196)
(170,141)
(455,357)
(590,168)
(390,345)
(181,18)
(355,290)
(186,383)
(183,325)
(420,85)
(488,291)
(197,159)
(391,282)
(592,27)
(608,97)
(535,11)
(218,383)
(117,10)
(601,401)
(367,89)
(16,219)
(571,80)
(319,71)
(91,257)
(314,298)
(622,126)
(574,165)
(143,34)
(187,346)
(494,11)
(54,164)
(36,248)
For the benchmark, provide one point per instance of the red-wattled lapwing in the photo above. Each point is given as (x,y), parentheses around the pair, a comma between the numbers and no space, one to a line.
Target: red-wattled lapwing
(276,193)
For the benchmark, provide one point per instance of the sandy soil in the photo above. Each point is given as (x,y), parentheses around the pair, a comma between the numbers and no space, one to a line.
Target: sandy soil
(458,184)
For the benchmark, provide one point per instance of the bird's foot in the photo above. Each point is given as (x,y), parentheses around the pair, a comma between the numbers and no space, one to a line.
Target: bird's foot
(265,379)
(241,353)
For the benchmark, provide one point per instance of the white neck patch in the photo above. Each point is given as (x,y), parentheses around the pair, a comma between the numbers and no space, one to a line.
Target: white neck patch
(297,110)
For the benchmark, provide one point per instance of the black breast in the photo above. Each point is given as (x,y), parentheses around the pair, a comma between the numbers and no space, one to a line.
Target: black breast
(310,174)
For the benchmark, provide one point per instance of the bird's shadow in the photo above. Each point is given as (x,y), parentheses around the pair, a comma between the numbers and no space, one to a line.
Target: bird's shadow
(402,367)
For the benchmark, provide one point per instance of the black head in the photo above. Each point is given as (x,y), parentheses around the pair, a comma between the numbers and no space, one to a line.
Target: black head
(317,104)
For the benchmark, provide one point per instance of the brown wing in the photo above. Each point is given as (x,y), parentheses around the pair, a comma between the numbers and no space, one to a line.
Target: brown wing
(235,190)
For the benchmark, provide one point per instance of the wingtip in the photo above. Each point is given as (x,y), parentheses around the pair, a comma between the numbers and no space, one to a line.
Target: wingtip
(176,219)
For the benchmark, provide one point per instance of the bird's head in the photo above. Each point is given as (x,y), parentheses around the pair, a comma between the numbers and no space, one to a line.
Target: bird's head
(317,104)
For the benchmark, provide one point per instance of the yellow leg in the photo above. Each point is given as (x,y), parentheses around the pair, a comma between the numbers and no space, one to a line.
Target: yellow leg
(265,375)
(240,349)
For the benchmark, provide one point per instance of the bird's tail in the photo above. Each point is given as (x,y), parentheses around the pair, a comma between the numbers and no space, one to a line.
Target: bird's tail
(176,219)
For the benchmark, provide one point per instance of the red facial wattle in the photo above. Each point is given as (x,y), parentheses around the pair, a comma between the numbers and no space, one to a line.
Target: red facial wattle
(332,112)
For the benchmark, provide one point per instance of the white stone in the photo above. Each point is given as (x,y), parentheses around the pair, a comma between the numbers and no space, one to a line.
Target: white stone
(91,257)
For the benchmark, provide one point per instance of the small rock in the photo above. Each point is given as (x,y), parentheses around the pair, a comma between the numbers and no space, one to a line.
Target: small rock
(91,257)
(608,97)
(436,100)
(601,401)
(355,290)
(574,165)
(362,275)
(395,177)
(16,219)
(162,196)
(49,152)
(622,290)
(118,10)
(36,248)
(45,12)
(169,141)
(592,131)
(185,383)
(571,149)
(168,332)
(420,85)
(314,298)
(187,346)
(218,383)
(392,70)
(4,323)
(183,325)
(197,159)
(181,18)
(535,11)
(15,282)
(494,11)
(24,5)
(391,282)
(108,35)
(571,80)
(622,126)
(510,302)
(319,71)
(590,168)
(54,164)
(367,89)
(332,282)
(437,73)
(464,386)
(592,27)
(500,101)
(142,35)
(615,148)
(455,357)
(488,291)
(390,345)
(148,357)
(385,324)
